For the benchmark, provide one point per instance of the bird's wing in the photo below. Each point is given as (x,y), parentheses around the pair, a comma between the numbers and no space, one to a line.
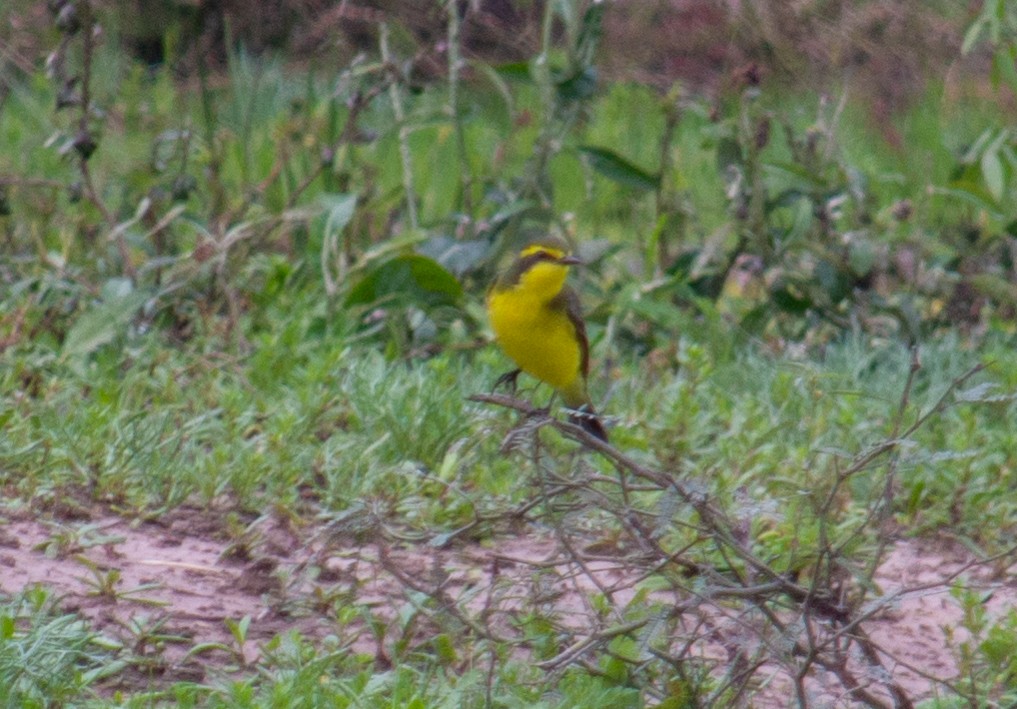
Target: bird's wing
(570,300)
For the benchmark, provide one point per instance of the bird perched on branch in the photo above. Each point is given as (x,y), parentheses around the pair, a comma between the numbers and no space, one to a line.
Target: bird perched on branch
(537,320)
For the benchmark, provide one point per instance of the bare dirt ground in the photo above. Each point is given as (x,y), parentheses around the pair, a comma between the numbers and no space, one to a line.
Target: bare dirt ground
(182,575)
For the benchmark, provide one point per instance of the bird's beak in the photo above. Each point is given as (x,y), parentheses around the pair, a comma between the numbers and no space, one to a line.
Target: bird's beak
(570,261)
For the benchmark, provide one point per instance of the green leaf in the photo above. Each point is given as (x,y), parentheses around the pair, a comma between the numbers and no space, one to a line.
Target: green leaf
(999,646)
(973,34)
(499,82)
(457,255)
(729,152)
(445,649)
(409,278)
(514,70)
(786,198)
(102,324)
(972,193)
(579,85)
(7,627)
(115,288)
(590,33)
(756,320)
(802,218)
(618,169)
(992,173)
(789,301)
(509,212)
(979,146)
(807,179)
(996,287)
(1004,68)
(832,280)
(338,209)
(614,668)
(861,257)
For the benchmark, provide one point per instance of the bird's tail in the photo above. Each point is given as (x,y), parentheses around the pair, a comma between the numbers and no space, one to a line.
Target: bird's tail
(586,418)
(581,411)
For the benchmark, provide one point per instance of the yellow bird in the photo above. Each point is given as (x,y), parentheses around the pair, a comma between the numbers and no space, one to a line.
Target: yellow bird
(537,320)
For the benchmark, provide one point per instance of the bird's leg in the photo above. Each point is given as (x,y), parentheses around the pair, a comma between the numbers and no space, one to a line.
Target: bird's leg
(550,402)
(508,379)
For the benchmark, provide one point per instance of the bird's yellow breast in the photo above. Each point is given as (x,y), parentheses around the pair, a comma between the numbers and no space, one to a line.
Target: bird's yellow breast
(539,338)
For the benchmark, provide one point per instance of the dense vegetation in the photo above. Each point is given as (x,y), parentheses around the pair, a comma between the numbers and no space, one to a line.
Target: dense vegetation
(252,284)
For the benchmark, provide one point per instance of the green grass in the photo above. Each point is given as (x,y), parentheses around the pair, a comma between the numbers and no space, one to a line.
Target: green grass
(48,658)
(145,425)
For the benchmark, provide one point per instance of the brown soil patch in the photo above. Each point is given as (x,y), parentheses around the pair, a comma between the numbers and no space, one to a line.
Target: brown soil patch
(177,575)
(184,574)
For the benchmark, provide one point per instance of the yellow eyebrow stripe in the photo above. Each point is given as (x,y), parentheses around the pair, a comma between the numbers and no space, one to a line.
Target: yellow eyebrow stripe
(540,248)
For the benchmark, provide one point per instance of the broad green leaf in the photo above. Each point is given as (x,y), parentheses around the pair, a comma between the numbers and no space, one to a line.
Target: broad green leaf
(102,324)
(618,169)
(410,279)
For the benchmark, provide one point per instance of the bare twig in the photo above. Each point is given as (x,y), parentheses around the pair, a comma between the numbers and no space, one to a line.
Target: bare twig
(708,568)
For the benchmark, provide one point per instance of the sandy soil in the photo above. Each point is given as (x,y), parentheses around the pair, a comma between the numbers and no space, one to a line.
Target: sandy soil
(183,574)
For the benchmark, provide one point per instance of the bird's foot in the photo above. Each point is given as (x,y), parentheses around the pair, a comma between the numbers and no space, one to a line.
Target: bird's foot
(508,380)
